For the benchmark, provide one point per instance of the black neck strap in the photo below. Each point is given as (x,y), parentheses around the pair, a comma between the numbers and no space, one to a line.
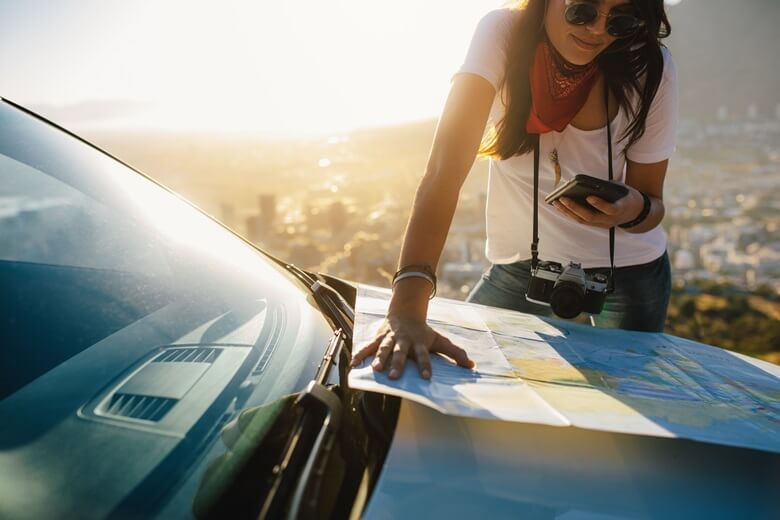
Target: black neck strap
(535,241)
(610,283)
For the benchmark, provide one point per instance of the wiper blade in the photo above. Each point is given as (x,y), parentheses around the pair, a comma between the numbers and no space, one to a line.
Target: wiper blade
(305,456)
(299,474)
(279,453)
(337,344)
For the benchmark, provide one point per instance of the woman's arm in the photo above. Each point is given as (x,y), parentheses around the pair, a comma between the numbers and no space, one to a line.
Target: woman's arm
(455,145)
(452,155)
(649,179)
(645,178)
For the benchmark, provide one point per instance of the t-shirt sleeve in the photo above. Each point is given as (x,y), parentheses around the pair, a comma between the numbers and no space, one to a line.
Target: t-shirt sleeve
(660,137)
(486,55)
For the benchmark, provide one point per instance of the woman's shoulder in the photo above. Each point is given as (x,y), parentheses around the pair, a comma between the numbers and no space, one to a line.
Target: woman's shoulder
(502,13)
(486,55)
(498,21)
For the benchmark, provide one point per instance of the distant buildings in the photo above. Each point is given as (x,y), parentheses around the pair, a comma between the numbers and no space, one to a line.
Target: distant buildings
(262,226)
(722,209)
(722,199)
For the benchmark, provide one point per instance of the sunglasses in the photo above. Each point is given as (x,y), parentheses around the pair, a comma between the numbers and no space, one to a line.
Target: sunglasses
(620,24)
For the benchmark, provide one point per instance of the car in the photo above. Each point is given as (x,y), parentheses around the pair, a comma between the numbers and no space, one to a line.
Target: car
(138,333)
(154,364)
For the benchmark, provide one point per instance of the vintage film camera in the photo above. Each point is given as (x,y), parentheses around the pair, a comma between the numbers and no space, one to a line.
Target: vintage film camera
(568,291)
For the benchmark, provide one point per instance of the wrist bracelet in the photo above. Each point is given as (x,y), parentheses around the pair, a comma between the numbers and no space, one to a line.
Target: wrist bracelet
(642,214)
(416,271)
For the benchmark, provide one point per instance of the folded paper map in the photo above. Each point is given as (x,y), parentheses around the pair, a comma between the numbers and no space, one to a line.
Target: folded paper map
(560,373)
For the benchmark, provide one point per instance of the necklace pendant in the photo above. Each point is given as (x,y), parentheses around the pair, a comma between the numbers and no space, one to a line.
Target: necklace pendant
(556,166)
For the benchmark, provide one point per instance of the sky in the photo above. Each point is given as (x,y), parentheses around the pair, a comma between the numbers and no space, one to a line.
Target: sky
(278,67)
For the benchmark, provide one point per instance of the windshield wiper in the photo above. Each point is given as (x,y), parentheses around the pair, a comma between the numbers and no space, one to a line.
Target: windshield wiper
(278,453)
(299,473)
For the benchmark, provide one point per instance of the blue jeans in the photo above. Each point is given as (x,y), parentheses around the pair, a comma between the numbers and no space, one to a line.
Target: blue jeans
(639,301)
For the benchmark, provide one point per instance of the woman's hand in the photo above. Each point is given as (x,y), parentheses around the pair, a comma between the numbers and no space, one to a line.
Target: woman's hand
(606,214)
(401,337)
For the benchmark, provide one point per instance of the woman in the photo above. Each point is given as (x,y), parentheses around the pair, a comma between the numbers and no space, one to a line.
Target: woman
(551,72)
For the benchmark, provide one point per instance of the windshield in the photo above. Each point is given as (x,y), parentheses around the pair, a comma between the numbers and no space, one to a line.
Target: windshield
(133,329)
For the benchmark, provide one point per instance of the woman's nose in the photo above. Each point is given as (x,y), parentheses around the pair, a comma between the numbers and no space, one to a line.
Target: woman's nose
(599,25)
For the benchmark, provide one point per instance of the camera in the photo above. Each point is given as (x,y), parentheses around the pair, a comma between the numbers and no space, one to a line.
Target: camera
(568,291)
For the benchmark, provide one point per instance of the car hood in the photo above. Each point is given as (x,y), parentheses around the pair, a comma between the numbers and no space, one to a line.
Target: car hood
(442,466)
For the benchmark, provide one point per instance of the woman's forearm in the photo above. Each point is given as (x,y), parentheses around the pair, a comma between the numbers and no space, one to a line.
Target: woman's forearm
(454,149)
(426,232)
(648,179)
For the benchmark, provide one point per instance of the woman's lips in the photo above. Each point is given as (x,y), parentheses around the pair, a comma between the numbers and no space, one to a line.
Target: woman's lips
(584,45)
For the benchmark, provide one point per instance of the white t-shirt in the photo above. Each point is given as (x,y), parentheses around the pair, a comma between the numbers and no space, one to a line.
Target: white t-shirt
(510,185)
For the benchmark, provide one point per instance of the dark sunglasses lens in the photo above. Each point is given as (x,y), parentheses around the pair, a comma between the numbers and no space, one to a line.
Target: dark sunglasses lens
(581,14)
(622,25)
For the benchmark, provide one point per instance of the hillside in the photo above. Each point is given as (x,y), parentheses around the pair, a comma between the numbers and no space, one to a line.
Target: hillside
(720,315)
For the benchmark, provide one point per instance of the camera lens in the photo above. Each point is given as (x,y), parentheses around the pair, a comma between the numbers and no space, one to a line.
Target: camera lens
(567,299)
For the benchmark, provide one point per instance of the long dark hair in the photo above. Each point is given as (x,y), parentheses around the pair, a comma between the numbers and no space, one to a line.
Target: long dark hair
(630,66)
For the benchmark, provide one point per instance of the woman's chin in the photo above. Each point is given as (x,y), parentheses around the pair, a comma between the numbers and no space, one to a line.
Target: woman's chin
(578,58)
(579,52)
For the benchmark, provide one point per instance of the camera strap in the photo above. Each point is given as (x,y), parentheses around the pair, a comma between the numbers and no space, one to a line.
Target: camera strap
(535,240)
(611,281)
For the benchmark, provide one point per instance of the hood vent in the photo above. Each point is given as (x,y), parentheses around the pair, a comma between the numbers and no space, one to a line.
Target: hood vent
(188,355)
(143,407)
(168,391)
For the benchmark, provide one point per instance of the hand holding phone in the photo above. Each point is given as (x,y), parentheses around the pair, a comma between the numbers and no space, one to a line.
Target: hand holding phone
(583,186)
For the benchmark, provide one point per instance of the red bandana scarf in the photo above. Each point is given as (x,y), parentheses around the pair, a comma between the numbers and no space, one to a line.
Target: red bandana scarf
(558,89)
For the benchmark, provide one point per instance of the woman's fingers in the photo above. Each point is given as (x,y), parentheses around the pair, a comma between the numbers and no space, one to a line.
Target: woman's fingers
(392,348)
(399,358)
(366,351)
(566,211)
(582,215)
(449,349)
(603,206)
(581,212)
(384,352)
(423,359)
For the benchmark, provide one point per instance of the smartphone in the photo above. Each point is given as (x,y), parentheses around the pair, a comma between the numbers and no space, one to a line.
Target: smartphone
(582,186)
